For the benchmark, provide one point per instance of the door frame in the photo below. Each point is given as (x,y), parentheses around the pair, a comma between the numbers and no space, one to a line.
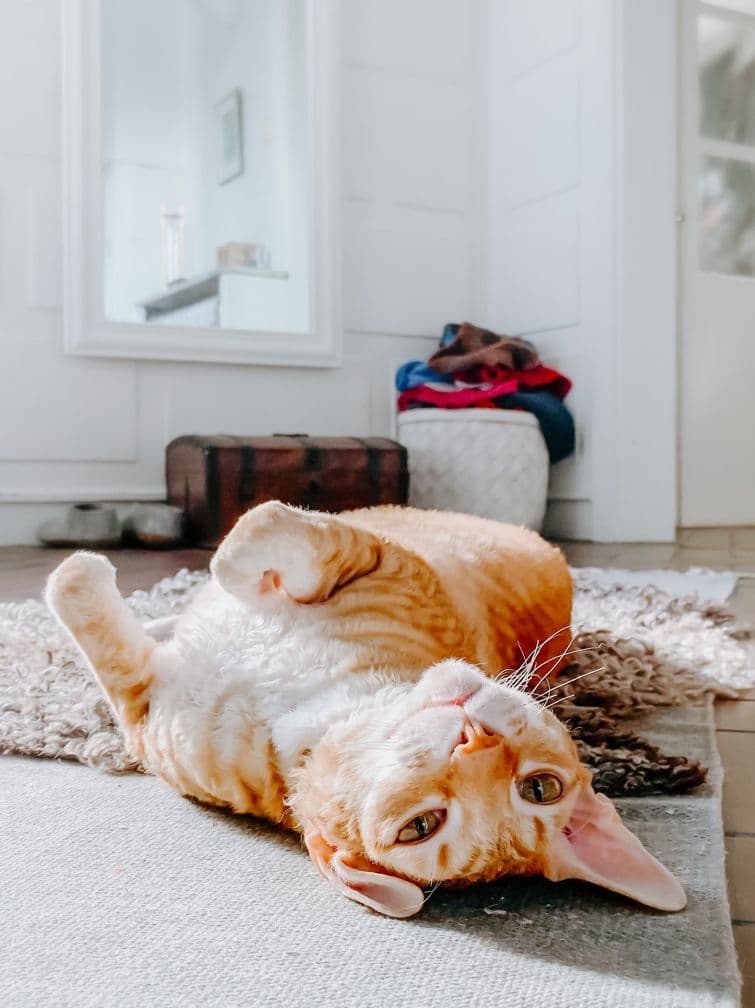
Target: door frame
(694,319)
(635,420)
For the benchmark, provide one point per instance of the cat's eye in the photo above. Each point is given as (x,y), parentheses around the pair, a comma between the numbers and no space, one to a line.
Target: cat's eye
(541,788)
(421,827)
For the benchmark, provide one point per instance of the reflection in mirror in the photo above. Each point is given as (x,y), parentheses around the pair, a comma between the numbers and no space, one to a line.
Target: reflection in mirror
(204,148)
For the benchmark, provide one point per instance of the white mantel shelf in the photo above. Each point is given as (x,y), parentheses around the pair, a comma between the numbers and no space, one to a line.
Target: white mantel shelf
(199,288)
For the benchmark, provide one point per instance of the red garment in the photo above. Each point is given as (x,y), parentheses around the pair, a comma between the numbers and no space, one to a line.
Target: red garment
(502,382)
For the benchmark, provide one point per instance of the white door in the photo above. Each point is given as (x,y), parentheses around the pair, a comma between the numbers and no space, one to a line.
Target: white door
(717,344)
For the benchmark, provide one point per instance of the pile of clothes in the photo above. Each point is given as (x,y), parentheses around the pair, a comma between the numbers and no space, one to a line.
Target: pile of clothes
(474,367)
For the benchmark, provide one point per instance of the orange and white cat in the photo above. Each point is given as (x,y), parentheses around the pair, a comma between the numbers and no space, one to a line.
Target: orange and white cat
(337,675)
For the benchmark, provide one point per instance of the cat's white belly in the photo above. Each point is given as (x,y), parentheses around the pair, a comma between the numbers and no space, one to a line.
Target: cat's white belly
(279,655)
(239,695)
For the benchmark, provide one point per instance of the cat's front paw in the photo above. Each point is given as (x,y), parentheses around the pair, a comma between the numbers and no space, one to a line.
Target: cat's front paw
(80,579)
(271,547)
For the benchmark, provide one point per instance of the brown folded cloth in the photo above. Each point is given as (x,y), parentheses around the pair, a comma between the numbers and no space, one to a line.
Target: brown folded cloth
(474,347)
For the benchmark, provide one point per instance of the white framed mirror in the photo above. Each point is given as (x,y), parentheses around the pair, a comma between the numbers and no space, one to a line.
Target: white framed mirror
(200,181)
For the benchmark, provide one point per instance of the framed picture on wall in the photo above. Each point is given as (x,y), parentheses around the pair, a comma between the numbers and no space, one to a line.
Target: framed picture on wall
(230,137)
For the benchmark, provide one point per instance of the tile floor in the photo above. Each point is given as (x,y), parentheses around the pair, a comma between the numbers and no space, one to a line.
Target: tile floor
(23,570)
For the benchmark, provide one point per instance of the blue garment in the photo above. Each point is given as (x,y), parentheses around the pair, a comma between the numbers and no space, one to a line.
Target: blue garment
(554,418)
(415,373)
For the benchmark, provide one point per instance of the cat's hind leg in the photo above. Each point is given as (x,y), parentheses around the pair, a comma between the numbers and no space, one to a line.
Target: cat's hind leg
(82,594)
(307,554)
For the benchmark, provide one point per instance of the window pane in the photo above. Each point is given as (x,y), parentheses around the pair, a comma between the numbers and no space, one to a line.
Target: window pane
(727,216)
(745,6)
(727,80)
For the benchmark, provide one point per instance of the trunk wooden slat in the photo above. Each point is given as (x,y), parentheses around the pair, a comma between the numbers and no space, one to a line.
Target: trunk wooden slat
(215,479)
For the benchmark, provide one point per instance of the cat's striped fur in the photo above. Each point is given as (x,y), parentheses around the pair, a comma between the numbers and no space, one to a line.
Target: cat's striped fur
(322,680)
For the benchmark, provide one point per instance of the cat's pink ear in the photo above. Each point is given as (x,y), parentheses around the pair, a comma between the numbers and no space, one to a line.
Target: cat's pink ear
(358,879)
(597,847)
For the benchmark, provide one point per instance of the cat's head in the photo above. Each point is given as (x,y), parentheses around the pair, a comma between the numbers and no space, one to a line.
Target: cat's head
(457,780)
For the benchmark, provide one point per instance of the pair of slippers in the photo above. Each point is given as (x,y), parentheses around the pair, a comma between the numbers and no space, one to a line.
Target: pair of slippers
(98,526)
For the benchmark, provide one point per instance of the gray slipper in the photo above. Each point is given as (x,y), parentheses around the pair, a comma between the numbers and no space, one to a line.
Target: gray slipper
(89,525)
(154,525)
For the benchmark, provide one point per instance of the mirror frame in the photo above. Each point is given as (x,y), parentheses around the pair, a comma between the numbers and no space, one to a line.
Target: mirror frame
(86,330)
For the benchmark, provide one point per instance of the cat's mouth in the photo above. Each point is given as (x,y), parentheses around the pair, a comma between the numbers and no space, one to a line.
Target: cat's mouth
(455,701)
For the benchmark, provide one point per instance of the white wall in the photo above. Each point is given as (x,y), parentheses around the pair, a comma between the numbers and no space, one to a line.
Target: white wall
(541,188)
(72,428)
(481,145)
(414,164)
(581,244)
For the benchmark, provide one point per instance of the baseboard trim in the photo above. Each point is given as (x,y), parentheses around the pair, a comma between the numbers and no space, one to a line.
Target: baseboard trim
(568,519)
(69,495)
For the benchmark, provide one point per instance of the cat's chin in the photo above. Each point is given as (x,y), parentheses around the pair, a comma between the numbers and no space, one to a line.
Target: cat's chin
(497,708)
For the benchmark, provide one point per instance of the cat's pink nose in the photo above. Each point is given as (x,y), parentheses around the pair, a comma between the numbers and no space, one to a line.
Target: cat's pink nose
(475,738)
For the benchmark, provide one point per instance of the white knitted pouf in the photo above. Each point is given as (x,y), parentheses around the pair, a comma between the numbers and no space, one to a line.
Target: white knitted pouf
(488,462)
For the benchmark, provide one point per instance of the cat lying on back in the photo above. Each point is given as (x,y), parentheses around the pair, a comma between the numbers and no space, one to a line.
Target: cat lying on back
(318,681)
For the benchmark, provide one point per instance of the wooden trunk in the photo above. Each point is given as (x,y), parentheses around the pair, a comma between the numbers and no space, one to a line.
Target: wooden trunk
(216,479)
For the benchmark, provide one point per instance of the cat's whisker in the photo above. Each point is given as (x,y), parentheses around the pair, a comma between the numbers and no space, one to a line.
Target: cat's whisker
(564,654)
(431,891)
(555,703)
(524,665)
(569,696)
(514,678)
(541,644)
(559,700)
(553,690)
(521,677)
(557,658)
(567,653)
(506,674)
(584,675)
(549,638)
(530,661)
(553,686)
